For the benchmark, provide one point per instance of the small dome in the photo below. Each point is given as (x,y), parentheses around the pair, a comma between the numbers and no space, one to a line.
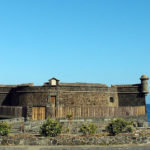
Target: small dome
(144,77)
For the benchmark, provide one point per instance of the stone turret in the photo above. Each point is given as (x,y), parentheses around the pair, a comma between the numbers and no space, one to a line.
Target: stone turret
(144,84)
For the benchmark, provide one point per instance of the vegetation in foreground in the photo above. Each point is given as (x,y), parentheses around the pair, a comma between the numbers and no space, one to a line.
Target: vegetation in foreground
(119,125)
(5,128)
(51,128)
(88,129)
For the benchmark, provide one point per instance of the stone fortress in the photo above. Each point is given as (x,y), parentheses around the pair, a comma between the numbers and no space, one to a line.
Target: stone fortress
(83,100)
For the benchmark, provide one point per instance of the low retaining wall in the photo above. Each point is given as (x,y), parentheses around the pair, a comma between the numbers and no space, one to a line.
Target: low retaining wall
(10,111)
(75,124)
(33,127)
(13,121)
(73,140)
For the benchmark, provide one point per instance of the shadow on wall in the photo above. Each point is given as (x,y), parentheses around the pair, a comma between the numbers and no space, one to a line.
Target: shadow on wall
(11,98)
(131,100)
(131,96)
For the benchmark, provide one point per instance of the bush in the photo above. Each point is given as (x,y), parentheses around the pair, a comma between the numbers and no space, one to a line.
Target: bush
(51,128)
(69,116)
(129,129)
(118,125)
(4,128)
(88,128)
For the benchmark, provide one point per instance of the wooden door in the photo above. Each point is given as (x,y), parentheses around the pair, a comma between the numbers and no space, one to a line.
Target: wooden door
(53,105)
(38,113)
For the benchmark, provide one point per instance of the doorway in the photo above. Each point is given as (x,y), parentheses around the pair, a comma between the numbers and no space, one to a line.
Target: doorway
(53,105)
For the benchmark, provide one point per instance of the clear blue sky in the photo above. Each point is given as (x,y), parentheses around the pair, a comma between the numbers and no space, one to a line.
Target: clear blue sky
(104,41)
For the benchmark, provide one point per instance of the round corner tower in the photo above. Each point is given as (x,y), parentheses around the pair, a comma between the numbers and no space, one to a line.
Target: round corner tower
(144,84)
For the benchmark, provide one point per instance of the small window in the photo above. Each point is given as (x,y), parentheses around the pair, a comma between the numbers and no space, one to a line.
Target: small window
(53,82)
(112,100)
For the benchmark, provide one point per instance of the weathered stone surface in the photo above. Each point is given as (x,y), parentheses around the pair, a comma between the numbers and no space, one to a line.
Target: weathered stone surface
(83,100)
(74,140)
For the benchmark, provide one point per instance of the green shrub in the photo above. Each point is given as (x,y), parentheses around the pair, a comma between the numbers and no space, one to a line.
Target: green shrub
(51,128)
(118,125)
(69,116)
(129,129)
(4,128)
(88,128)
(65,130)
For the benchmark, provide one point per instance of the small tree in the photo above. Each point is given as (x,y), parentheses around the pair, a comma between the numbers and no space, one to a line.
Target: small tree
(118,125)
(51,128)
(4,128)
(88,129)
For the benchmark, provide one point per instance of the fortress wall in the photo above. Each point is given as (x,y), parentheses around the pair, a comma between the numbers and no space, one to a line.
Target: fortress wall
(113,97)
(87,95)
(24,96)
(30,96)
(10,112)
(5,97)
(83,100)
(129,88)
(66,96)
(131,96)
(82,88)
(98,112)
(32,99)
(131,99)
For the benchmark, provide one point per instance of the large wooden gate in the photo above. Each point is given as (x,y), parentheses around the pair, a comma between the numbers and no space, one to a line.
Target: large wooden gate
(38,113)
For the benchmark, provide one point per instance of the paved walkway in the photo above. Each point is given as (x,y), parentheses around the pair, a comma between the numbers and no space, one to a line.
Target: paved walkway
(125,147)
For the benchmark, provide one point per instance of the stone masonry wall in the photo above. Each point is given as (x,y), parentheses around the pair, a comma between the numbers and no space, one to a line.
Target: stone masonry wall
(83,98)
(70,95)
(31,96)
(130,95)
(77,96)
(33,127)
(131,99)
(73,140)
(5,97)
(10,111)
